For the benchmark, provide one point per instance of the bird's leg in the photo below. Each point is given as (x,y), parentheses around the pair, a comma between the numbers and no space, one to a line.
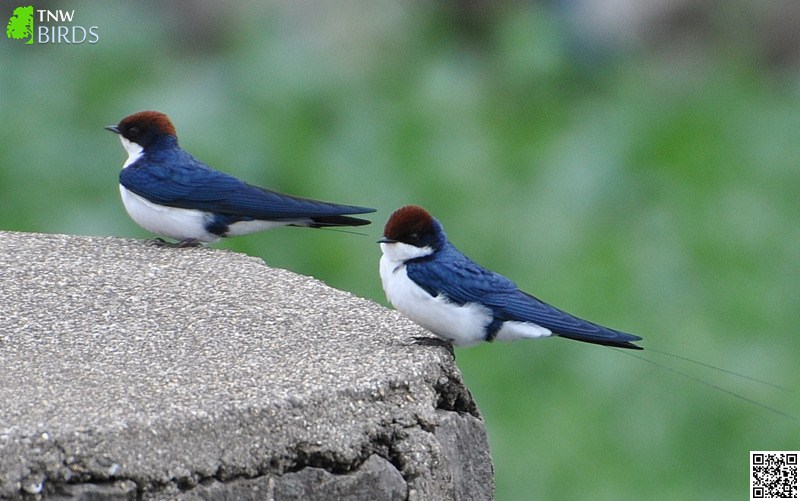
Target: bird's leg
(160,242)
(189,242)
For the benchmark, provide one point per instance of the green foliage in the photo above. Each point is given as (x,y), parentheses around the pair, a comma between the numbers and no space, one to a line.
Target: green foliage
(656,195)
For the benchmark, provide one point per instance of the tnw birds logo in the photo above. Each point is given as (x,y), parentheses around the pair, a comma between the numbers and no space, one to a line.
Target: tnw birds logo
(42,26)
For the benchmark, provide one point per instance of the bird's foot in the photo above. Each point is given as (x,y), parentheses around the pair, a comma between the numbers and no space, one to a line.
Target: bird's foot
(160,242)
(429,341)
(188,242)
(432,341)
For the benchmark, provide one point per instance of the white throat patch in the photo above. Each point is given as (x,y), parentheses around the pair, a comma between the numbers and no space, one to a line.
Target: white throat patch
(399,253)
(134,150)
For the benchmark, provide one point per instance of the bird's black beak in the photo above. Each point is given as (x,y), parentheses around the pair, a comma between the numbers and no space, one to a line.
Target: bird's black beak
(386,240)
(113,128)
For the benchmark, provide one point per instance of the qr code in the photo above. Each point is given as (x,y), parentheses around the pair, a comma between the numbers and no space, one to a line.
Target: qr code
(773,474)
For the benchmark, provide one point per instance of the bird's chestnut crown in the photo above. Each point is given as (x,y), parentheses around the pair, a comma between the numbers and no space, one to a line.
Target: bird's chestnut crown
(145,127)
(412,225)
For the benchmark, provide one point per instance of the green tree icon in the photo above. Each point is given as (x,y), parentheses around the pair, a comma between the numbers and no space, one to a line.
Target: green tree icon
(20,25)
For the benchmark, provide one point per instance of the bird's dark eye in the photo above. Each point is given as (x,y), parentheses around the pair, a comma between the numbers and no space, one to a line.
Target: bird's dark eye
(414,236)
(133,131)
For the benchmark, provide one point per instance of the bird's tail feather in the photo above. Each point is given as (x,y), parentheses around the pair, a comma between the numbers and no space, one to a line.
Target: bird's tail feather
(619,340)
(327,221)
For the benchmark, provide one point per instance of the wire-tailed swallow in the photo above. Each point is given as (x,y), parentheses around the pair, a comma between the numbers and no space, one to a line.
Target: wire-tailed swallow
(170,193)
(431,282)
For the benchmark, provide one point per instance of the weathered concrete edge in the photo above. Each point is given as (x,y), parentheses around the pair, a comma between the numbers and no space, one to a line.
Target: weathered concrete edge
(308,482)
(392,459)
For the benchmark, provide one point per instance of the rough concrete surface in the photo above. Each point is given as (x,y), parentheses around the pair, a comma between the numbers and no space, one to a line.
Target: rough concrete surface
(132,371)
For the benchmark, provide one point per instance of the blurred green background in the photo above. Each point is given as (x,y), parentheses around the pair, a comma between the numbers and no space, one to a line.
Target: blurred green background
(635,163)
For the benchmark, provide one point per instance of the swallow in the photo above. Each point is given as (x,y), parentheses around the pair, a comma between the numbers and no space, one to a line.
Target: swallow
(172,194)
(432,283)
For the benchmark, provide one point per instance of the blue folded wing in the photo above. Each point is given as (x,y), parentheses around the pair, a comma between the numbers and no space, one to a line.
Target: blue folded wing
(186,183)
(459,279)
(526,307)
(462,281)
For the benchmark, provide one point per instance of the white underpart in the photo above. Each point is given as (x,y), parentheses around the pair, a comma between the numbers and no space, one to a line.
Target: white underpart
(184,224)
(176,223)
(513,330)
(169,222)
(462,325)
(247,227)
